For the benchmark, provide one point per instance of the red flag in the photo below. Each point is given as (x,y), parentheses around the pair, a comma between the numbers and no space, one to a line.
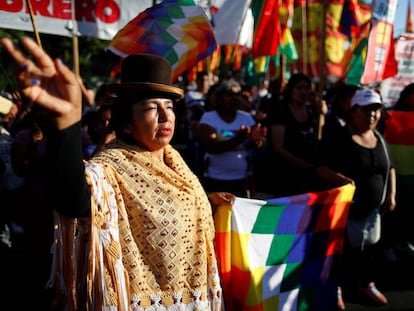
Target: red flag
(266,39)
(116,70)
(380,62)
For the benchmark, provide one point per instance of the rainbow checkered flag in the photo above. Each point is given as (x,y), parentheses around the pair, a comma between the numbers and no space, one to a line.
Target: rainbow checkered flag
(278,254)
(177,30)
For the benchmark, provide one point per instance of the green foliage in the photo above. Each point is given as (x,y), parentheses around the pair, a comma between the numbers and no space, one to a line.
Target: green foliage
(95,63)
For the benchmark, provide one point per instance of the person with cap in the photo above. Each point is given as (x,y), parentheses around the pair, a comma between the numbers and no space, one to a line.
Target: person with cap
(134,227)
(360,155)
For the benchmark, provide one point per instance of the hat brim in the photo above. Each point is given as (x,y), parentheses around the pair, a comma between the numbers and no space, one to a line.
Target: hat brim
(116,89)
(368,104)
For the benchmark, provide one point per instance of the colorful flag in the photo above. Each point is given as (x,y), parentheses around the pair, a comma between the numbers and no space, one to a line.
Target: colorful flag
(354,57)
(380,61)
(374,57)
(404,52)
(177,30)
(335,41)
(288,47)
(278,254)
(354,62)
(349,19)
(267,33)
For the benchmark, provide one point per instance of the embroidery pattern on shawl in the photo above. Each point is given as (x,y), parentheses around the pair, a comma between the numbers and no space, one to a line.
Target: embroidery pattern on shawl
(126,185)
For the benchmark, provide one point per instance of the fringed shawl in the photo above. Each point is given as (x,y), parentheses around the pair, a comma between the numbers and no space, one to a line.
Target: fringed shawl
(148,244)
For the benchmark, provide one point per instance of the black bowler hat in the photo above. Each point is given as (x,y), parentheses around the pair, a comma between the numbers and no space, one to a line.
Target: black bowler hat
(146,75)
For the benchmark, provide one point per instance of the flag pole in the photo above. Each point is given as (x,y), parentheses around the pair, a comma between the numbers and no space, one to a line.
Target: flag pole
(304,38)
(28,107)
(75,41)
(283,65)
(36,32)
(409,23)
(233,54)
(85,96)
(322,67)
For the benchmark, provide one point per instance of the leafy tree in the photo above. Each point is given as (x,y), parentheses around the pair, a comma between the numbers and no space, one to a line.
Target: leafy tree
(95,63)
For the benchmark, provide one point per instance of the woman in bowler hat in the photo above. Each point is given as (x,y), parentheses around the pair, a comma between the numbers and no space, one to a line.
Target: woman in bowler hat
(134,227)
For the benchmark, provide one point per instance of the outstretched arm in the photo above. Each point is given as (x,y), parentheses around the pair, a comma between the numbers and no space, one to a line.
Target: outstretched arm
(47,83)
(54,87)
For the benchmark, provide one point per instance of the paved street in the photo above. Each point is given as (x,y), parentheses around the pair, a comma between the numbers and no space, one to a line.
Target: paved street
(25,270)
(396,281)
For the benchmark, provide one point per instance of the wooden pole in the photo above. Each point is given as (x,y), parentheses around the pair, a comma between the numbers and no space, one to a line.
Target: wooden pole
(86,95)
(322,67)
(304,38)
(75,41)
(322,62)
(282,73)
(233,54)
(36,32)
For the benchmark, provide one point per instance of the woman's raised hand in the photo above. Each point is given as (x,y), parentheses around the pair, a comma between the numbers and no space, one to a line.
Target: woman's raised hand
(47,83)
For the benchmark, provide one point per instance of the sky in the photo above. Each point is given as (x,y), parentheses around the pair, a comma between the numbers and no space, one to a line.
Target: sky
(401,16)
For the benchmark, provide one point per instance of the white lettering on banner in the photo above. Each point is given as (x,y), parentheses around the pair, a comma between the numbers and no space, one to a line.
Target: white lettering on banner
(95,18)
(404,53)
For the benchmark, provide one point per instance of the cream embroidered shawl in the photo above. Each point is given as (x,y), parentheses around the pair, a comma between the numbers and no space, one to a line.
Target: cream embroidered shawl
(149,242)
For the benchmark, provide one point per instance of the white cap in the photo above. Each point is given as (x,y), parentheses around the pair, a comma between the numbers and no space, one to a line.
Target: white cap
(365,97)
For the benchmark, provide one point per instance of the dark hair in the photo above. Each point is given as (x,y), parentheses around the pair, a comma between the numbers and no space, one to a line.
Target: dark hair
(211,97)
(101,92)
(121,110)
(226,86)
(201,75)
(401,103)
(294,80)
(342,92)
(275,86)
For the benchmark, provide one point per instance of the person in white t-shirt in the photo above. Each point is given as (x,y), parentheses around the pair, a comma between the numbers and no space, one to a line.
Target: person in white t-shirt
(228,136)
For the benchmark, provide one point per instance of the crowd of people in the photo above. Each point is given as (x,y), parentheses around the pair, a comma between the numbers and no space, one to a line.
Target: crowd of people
(108,168)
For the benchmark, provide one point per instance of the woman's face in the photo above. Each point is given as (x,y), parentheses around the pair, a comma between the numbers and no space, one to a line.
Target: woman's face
(152,123)
(301,92)
(367,116)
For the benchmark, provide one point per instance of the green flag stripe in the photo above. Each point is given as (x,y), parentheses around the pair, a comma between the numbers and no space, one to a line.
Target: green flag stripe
(403,158)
